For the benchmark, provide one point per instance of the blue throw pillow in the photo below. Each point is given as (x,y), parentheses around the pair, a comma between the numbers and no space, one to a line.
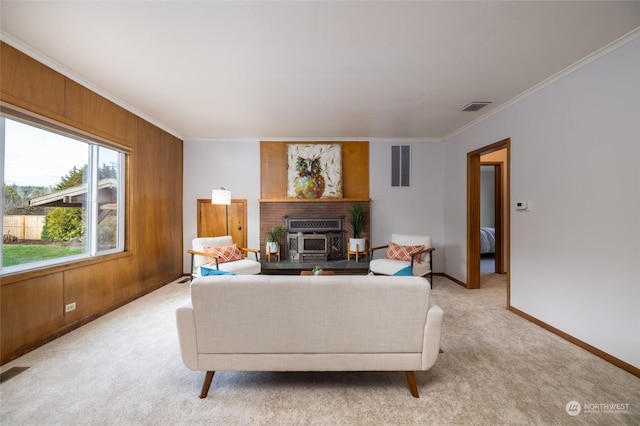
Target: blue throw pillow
(204,271)
(404,272)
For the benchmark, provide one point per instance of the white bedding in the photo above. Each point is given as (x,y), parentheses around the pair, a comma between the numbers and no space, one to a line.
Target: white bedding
(487,240)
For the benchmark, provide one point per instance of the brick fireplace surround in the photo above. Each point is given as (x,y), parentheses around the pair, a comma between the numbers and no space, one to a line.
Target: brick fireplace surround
(275,205)
(272,213)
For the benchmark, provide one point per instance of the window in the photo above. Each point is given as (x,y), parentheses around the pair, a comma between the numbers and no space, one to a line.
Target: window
(400,165)
(62,197)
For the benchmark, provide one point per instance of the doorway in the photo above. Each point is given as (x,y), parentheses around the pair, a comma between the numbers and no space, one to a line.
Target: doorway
(502,255)
(492,212)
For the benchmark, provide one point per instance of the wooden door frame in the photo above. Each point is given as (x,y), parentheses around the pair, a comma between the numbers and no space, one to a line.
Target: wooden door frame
(473,213)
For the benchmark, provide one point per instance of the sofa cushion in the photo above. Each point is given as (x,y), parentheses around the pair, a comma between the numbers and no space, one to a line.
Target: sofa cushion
(391,266)
(242,267)
(398,252)
(225,254)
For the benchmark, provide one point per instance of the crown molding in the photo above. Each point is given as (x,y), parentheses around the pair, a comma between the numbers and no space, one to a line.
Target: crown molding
(315,139)
(630,36)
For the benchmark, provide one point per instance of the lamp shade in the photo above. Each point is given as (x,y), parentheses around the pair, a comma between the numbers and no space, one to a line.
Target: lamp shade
(220,196)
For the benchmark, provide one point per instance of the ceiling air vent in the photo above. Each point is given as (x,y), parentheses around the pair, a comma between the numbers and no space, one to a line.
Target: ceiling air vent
(474,106)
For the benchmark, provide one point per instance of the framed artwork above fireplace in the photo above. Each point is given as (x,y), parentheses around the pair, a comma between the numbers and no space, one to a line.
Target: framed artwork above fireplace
(314,170)
(353,169)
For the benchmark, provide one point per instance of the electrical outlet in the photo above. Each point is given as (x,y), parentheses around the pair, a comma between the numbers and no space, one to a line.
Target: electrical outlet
(70,307)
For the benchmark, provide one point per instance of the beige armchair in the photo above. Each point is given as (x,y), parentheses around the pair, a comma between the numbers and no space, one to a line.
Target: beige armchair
(208,252)
(405,255)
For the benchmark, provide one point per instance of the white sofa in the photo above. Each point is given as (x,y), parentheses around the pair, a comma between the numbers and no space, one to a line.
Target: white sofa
(309,323)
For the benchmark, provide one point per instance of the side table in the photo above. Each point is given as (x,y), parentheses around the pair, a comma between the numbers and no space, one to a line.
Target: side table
(357,254)
(276,255)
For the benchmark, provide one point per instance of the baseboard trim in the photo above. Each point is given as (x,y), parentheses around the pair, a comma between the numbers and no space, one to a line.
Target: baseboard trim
(597,352)
(457,281)
(607,357)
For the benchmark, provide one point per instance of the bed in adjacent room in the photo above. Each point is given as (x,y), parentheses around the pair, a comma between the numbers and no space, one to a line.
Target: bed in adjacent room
(487,240)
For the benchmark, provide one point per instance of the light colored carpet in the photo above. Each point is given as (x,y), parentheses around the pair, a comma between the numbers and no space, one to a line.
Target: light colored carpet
(497,368)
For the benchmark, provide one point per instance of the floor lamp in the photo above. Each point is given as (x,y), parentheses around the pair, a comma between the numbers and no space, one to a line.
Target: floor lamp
(222,196)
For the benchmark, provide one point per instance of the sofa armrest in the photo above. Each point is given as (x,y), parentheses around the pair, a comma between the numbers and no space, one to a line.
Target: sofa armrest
(255,252)
(186,325)
(201,253)
(372,249)
(426,250)
(432,333)
(429,250)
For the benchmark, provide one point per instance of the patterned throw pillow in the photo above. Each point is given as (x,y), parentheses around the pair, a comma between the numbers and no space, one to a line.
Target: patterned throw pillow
(404,272)
(225,254)
(398,252)
(205,271)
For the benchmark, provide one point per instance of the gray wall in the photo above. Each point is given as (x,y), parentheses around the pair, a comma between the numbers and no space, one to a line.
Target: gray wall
(235,164)
(575,150)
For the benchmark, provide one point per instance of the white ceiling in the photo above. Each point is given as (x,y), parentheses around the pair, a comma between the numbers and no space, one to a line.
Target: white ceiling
(312,69)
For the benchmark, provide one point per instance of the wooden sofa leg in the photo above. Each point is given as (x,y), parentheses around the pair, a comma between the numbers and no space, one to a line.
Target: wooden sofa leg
(412,384)
(207,383)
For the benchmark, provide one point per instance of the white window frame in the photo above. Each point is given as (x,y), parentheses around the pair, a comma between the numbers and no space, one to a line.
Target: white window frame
(93,143)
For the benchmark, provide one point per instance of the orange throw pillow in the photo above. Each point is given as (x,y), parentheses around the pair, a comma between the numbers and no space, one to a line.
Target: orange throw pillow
(225,254)
(398,252)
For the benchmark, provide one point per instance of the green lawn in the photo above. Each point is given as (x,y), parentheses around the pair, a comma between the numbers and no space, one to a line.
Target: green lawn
(16,254)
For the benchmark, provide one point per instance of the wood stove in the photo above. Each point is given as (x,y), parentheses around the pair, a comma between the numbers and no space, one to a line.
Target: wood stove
(315,238)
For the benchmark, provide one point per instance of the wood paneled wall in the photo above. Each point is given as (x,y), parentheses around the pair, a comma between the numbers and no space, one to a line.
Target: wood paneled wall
(275,205)
(32,303)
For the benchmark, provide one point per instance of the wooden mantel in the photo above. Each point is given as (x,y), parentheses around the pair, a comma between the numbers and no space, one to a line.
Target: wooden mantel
(315,200)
